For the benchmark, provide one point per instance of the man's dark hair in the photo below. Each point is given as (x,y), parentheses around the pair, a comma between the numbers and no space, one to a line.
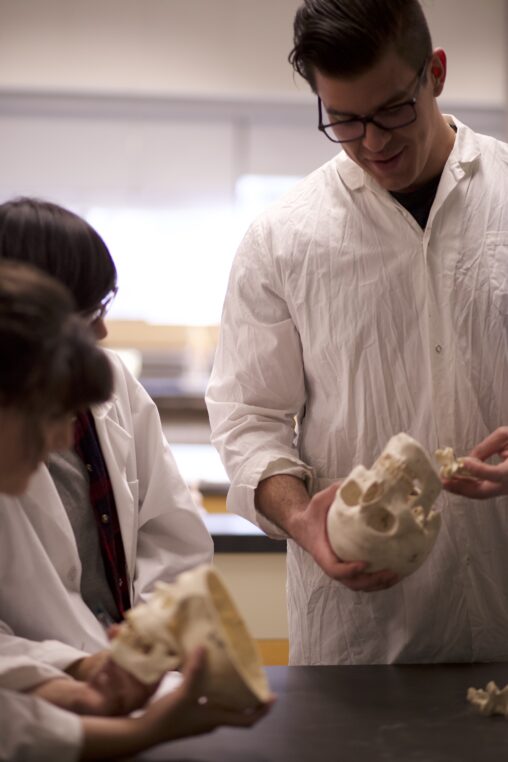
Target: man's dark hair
(60,243)
(345,38)
(50,364)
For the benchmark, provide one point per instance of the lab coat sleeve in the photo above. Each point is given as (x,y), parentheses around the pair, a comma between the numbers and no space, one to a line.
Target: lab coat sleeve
(257,384)
(26,663)
(32,730)
(172,536)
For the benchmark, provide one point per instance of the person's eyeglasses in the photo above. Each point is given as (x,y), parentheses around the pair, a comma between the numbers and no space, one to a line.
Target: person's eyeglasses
(352,127)
(99,312)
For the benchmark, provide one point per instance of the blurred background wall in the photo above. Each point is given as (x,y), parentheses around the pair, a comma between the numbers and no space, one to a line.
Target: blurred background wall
(171,123)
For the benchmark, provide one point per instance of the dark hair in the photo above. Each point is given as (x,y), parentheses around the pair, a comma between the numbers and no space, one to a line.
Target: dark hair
(345,38)
(61,244)
(50,364)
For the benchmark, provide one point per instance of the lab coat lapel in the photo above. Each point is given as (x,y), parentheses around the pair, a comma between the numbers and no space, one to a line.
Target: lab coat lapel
(45,511)
(116,443)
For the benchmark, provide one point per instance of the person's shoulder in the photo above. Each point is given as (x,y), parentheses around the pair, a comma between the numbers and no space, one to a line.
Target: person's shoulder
(124,380)
(305,194)
(486,144)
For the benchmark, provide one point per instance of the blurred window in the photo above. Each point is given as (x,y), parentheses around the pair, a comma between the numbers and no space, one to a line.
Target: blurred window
(173,264)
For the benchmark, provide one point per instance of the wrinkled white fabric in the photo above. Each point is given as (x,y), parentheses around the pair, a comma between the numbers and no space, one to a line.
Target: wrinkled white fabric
(162,531)
(31,730)
(342,311)
(20,667)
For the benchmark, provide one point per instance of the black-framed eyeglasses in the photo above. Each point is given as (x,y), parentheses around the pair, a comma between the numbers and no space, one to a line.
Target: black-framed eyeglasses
(353,127)
(99,312)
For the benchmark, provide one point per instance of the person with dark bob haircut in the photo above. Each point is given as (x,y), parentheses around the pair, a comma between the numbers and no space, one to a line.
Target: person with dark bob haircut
(50,368)
(372,300)
(60,243)
(110,515)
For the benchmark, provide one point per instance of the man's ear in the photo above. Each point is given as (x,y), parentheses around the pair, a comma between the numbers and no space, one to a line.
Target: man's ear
(437,69)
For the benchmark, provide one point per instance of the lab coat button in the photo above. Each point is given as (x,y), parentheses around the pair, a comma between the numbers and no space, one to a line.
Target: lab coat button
(120,582)
(89,467)
(105,518)
(438,348)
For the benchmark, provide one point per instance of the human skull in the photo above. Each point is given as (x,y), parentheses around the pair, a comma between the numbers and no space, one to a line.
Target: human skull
(196,610)
(383,516)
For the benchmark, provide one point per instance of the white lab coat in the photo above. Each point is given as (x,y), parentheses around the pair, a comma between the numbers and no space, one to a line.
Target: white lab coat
(162,531)
(342,311)
(31,730)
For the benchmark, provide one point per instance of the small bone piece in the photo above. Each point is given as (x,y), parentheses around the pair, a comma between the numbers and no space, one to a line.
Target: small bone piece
(383,515)
(195,610)
(492,700)
(450,466)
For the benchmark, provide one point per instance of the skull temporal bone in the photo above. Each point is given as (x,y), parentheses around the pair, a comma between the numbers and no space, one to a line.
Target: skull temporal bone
(383,515)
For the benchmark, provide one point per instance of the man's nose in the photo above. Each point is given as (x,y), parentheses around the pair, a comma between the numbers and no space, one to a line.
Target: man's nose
(375,138)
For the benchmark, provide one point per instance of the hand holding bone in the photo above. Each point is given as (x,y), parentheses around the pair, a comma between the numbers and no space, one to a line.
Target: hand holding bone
(194,611)
(309,530)
(488,480)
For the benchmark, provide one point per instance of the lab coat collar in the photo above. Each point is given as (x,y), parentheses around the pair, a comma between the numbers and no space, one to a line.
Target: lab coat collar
(463,159)
(102,409)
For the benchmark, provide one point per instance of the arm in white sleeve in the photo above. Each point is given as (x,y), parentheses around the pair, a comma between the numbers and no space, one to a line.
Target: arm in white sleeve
(257,386)
(31,730)
(26,663)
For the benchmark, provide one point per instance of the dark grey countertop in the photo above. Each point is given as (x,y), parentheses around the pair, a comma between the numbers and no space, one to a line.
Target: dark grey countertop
(201,468)
(233,534)
(362,714)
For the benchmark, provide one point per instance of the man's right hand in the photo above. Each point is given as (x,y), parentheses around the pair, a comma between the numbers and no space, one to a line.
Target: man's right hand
(309,531)
(284,500)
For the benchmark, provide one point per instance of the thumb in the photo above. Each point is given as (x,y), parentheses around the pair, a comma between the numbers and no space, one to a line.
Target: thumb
(193,672)
(485,471)
(326,497)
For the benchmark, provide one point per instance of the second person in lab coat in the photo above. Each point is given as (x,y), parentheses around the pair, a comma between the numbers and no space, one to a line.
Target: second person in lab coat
(101,522)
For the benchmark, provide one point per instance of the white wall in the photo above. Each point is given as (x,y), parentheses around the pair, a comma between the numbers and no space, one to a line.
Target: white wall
(168,102)
(223,48)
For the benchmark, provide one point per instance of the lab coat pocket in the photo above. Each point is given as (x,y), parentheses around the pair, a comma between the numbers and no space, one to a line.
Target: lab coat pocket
(497,257)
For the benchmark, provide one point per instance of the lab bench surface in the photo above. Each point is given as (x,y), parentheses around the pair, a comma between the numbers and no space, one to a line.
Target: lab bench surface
(233,534)
(362,714)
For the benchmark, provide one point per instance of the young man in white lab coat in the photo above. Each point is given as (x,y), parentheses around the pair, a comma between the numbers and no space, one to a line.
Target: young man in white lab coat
(100,523)
(372,300)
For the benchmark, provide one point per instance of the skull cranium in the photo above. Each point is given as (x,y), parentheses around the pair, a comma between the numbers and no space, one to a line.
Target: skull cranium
(383,515)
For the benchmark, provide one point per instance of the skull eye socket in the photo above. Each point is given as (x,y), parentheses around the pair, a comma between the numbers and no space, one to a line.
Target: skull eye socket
(372,493)
(350,493)
(380,519)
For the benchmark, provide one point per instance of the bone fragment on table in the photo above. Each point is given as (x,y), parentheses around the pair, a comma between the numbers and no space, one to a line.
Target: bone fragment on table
(492,700)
